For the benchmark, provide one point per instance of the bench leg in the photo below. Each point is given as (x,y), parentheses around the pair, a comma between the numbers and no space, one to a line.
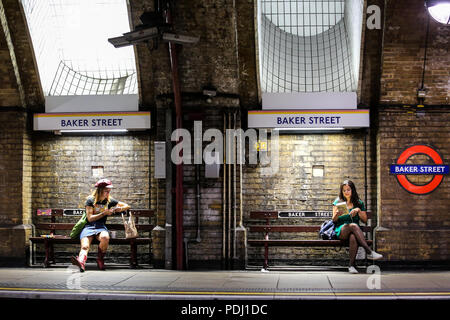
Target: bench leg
(52,253)
(150,253)
(133,258)
(266,256)
(47,254)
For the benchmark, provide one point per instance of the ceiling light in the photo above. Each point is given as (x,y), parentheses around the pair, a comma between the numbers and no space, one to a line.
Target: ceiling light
(439,10)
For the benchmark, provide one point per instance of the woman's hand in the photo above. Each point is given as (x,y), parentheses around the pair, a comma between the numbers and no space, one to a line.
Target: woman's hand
(336,214)
(116,209)
(355,211)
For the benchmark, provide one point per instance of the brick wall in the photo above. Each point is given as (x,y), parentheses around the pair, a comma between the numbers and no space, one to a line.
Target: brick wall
(62,168)
(403,55)
(207,252)
(212,61)
(9,95)
(23,85)
(294,188)
(11,165)
(414,227)
(15,187)
(370,68)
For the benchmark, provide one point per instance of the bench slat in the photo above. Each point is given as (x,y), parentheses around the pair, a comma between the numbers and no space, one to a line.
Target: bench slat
(112,226)
(300,243)
(136,212)
(68,240)
(264,215)
(142,212)
(293,228)
(274,215)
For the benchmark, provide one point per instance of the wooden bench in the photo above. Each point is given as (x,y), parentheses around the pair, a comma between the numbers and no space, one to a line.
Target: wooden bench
(267,228)
(59,233)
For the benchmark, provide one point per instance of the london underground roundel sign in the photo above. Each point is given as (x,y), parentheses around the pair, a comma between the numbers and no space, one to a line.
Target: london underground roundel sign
(401,169)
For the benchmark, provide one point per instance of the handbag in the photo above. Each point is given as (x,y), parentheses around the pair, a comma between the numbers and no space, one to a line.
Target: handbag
(326,231)
(78,227)
(130,227)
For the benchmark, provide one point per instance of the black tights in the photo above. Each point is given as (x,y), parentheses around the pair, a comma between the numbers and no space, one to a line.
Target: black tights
(355,237)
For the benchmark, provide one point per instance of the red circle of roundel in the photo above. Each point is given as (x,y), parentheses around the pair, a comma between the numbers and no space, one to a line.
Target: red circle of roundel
(434,183)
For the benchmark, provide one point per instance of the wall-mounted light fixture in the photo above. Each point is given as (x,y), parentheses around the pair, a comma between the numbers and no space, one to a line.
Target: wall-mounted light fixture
(112,131)
(98,131)
(209,92)
(318,171)
(308,130)
(97,171)
(153,28)
(439,10)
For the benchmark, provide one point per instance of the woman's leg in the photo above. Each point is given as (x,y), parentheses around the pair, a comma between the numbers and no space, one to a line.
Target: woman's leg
(85,245)
(345,232)
(353,233)
(356,230)
(103,238)
(353,249)
(80,261)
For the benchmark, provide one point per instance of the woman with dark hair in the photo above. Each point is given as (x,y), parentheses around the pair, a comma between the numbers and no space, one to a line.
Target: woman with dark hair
(99,205)
(347,225)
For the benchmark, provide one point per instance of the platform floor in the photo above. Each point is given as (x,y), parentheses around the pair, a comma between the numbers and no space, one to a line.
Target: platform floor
(150,284)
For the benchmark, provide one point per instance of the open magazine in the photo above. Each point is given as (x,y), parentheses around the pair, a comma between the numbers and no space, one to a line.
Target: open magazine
(342,207)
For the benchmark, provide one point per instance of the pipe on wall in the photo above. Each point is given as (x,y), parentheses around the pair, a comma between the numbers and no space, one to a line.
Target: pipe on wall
(224,199)
(197,238)
(229,195)
(179,124)
(169,221)
(242,160)
(234,191)
(229,203)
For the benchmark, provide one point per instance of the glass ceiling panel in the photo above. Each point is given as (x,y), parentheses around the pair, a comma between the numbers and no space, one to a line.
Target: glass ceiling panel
(70,40)
(304,45)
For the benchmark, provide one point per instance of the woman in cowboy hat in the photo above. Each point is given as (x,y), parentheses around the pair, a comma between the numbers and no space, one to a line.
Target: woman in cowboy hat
(99,205)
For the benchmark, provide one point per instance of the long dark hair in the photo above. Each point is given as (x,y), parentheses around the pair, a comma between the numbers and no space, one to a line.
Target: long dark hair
(354,198)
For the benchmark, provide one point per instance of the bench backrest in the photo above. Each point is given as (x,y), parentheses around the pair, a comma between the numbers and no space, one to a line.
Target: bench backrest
(272,216)
(53,214)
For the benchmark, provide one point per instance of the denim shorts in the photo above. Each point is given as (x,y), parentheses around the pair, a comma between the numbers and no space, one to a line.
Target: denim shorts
(92,229)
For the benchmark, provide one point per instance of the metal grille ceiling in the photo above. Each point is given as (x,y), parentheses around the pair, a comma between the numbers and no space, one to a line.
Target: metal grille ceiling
(304,47)
(71,47)
(69,82)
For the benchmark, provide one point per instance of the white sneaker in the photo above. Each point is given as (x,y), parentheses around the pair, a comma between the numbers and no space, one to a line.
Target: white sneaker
(374,256)
(352,270)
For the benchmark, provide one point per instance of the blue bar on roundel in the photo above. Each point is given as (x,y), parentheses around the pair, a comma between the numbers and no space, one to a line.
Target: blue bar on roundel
(419,169)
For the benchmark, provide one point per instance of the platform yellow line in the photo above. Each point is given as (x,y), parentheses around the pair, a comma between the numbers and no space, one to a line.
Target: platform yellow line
(347,294)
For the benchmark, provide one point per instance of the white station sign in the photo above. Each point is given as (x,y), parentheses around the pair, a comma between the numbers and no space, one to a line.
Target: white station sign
(92,121)
(309,119)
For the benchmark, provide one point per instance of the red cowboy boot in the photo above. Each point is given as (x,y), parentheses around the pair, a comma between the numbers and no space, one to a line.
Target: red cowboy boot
(100,259)
(80,262)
